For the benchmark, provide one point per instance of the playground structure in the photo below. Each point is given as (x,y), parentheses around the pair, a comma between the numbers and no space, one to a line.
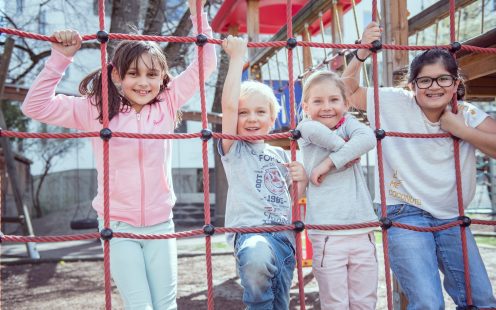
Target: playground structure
(277,43)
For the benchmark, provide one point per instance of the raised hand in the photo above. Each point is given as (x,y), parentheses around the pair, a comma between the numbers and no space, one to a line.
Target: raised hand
(68,42)
(235,47)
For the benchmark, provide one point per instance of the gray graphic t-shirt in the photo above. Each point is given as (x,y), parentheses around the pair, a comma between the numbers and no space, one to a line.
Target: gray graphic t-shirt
(258,182)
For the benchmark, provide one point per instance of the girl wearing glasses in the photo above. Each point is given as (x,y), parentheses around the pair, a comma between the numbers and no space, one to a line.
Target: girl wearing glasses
(420,177)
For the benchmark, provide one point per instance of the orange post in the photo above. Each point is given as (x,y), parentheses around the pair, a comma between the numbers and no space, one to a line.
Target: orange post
(306,248)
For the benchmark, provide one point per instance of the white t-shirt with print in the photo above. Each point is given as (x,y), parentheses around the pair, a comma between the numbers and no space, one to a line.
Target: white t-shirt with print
(421,172)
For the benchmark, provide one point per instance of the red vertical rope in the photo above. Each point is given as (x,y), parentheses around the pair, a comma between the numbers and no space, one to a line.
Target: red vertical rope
(456,150)
(106,206)
(294,188)
(380,169)
(206,182)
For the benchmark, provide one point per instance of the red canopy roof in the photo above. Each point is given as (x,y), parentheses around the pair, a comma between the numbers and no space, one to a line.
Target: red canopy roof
(272,15)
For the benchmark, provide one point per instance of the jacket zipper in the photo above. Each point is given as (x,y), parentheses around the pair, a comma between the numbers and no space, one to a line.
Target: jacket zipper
(324,251)
(142,174)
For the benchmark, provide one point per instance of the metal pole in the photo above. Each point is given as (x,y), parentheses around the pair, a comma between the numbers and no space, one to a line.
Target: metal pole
(9,157)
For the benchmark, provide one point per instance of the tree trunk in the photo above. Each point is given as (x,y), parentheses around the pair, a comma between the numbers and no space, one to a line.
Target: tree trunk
(125,15)
(155,17)
(175,51)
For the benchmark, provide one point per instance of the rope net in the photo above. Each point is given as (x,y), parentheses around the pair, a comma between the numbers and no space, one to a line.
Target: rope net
(298,226)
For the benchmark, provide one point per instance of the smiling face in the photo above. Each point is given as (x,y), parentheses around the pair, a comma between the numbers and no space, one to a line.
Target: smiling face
(434,99)
(142,81)
(325,103)
(255,116)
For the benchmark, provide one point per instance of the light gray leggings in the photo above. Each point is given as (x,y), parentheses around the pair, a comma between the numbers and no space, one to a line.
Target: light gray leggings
(145,271)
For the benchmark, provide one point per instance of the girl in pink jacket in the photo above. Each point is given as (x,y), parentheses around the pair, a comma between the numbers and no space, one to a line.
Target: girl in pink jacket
(143,98)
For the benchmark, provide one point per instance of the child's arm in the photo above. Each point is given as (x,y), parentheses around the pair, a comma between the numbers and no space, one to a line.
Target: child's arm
(356,94)
(42,104)
(298,175)
(236,49)
(317,133)
(362,140)
(482,137)
(185,85)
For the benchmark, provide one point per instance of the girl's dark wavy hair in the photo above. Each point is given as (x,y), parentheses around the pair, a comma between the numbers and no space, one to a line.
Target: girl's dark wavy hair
(437,55)
(126,53)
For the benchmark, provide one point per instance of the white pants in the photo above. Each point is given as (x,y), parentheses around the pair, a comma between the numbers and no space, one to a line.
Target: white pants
(145,271)
(346,270)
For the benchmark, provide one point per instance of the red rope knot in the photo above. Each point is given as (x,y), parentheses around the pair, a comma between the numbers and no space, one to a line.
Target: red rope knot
(106,134)
(386,223)
(102,36)
(466,221)
(208,229)
(299,226)
(201,39)
(455,47)
(106,234)
(206,134)
(291,43)
(380,134)
(295,134)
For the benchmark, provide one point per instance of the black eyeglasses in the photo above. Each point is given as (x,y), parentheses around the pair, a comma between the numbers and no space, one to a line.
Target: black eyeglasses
(425,82)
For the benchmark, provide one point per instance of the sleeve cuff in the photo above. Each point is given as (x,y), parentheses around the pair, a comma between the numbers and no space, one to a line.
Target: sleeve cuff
(58,62)
(205,25)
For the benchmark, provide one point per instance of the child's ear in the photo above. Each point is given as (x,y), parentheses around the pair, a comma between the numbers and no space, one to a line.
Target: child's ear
(411,86)
(116,79)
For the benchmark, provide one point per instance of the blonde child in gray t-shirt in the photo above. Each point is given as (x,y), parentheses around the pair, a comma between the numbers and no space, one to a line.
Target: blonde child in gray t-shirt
(259,177)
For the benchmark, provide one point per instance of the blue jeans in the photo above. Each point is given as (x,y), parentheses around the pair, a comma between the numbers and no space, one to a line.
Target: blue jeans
(416,257)
(145,271)
(265,263)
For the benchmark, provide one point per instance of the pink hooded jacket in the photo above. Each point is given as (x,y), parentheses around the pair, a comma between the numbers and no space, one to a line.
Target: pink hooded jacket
(140,182)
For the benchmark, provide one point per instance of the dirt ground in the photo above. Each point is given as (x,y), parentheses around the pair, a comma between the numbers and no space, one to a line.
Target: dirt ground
(79,285)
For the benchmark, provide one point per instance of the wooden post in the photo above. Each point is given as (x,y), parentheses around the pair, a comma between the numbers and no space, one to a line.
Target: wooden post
(395,25)
(252,24)
(307,52)
(9,158)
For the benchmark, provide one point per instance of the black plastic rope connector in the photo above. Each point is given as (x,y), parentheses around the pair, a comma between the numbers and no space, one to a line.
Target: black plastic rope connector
(291,43)
(295,134)
(208,229)
(466,221)
(102,36)
(386,223)
(206,134)
(106,134)
(380,134)
(376,46)
(455,47)
(201,39)
(106,234)
(299,226)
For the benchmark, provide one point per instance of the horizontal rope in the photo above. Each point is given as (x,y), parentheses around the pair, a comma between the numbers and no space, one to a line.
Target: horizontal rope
(418,135)
(260,229)
(121,36)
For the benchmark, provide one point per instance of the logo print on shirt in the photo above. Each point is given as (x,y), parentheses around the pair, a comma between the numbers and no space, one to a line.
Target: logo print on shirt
(273,181)
(156,122)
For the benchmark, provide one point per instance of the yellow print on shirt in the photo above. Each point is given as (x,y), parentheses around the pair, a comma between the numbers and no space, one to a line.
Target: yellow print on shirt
(394,184)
